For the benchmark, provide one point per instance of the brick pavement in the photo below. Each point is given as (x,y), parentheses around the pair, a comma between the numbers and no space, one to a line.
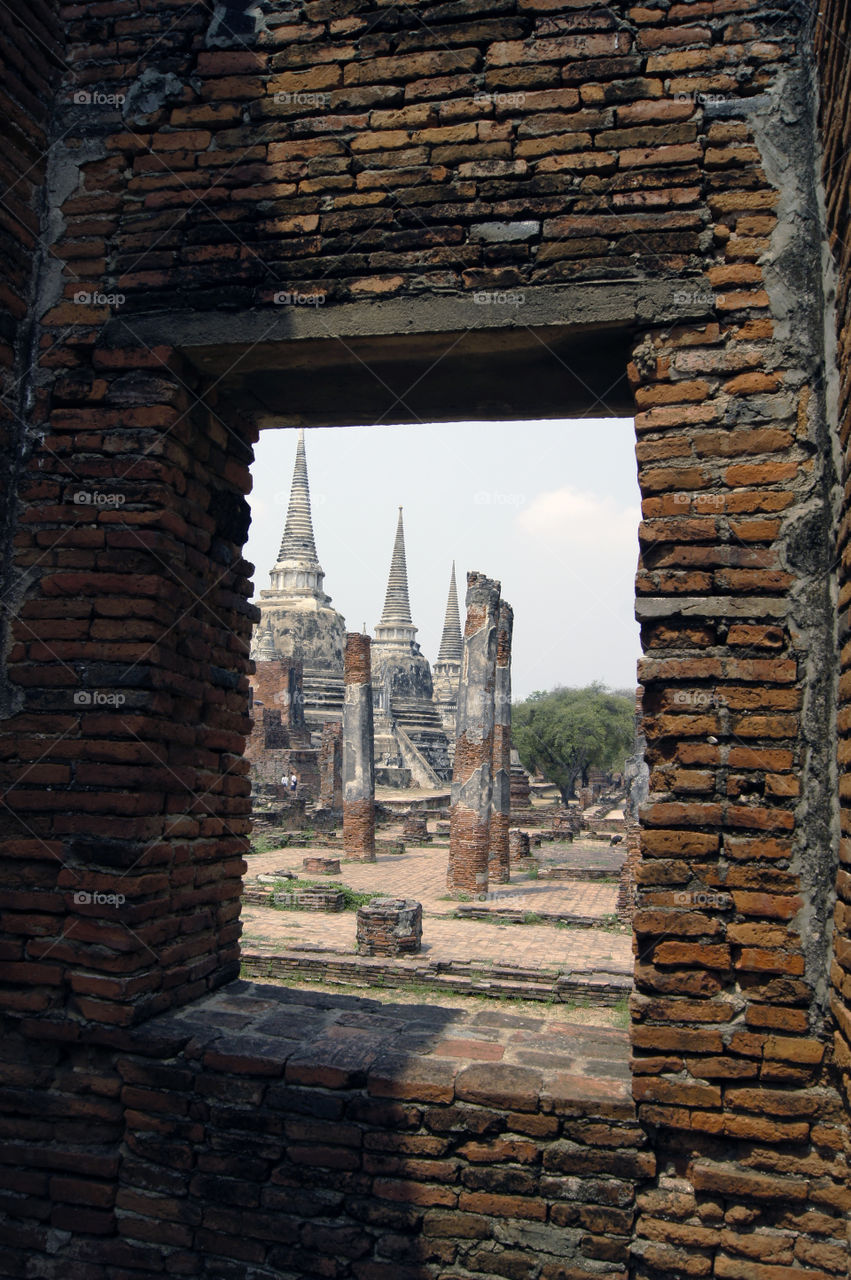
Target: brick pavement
(542,947)
(419,873)
(263,1026)
(584,855)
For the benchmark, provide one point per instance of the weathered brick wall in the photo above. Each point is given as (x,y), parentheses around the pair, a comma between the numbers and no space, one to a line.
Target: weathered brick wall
(279,684)
(400,1144)
(666,150)
(347,151)
(146,798)
(831,43)
(31,52)
(732,1035)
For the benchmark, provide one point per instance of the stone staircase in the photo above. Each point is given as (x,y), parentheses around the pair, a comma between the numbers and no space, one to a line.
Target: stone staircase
(423,725)
(323,699)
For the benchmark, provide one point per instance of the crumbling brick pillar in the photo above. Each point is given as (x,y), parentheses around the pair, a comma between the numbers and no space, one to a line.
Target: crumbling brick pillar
(331,766)
(358,760)
(390,927)
(415,827)
(498,857)
(472,778)
(518,845)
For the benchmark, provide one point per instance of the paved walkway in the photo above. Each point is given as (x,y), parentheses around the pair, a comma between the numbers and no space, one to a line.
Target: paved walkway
(420,873)
(583,855)
(526,946)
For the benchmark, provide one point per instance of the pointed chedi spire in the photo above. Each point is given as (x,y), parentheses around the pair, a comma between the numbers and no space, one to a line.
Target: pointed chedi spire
(451,642)
(299,624)
(447,668)
(297,568)
(397,606)
(297,542)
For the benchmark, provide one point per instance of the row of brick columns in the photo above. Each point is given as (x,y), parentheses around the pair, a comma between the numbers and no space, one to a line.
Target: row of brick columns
(481,783)
(481,799)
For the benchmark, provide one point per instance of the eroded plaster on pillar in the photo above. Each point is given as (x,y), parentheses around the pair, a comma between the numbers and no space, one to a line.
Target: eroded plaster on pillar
(472,779)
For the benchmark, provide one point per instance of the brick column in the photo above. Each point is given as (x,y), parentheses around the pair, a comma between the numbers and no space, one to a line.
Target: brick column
(358,761)
(331,766)
(472,778)
(500,819)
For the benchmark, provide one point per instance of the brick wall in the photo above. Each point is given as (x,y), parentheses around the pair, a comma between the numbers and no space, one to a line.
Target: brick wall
(732,1036)
(373,152)
(398,1144)
(831,43)
(30,59)
(279,684)
(659,153)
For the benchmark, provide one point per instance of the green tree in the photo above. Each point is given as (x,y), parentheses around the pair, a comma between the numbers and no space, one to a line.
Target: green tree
(564,733)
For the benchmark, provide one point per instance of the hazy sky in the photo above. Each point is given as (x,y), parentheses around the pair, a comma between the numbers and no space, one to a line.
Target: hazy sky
(551,509)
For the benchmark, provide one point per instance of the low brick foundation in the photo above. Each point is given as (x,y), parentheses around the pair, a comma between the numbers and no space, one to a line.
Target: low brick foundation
(453,977)
(392,847)
(321,866)
(305,899)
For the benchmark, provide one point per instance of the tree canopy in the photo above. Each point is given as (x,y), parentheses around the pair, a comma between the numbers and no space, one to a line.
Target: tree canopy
(564,733)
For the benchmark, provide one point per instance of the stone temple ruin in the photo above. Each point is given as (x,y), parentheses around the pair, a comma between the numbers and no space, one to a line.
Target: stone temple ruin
(408,720)
(222,218)
(298,654)
(298,623)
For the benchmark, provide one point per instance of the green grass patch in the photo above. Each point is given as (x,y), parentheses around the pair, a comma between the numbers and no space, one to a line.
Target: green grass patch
(621,1014)
(268,842)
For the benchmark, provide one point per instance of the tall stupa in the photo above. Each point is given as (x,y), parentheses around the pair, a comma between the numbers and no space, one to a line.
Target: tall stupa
(298,622)
(401,676)
(447,668)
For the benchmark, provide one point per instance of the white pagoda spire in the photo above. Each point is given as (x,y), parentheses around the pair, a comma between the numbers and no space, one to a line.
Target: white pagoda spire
(451,642)
(297,568)
(396,625)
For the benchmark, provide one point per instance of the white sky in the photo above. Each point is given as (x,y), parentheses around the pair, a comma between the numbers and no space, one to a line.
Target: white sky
(551,509)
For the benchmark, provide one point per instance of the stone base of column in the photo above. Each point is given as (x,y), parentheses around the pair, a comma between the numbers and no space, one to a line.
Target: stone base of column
(359,830)
(499,870)
(469,838)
